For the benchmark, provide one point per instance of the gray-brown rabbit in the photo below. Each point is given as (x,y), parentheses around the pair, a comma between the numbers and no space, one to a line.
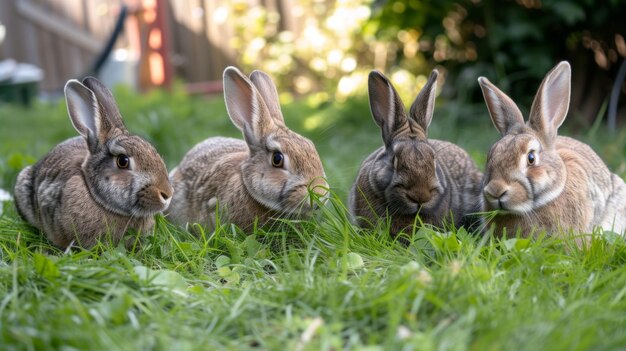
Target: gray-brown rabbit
(412,174)
(105,181)
(267,176)
(539,180)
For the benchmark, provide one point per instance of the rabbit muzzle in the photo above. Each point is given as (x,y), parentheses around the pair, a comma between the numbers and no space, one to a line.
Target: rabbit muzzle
(155,198)
(510,197)
(496,194)
(316,197)
(420,200)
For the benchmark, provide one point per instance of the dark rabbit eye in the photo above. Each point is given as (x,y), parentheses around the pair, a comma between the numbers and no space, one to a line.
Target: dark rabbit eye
(122,161)
(532,158)
(278,159)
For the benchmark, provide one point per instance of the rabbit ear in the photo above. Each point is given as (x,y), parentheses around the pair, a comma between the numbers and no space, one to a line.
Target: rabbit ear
(82,106)
(245,106)
(503,111)
(110,112)
(92,110)
(422,108)
(386,106)
(267,89)
(551,102)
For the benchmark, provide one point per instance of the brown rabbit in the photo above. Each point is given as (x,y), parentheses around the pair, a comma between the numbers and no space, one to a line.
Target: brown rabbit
(267,176)
(105,181)
(412,175)
(538,180)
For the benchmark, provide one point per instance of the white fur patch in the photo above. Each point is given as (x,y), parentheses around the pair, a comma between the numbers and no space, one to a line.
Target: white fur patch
(533,145)
(116,149)
(272,144)
(166,203)
(524,207)
(548,196)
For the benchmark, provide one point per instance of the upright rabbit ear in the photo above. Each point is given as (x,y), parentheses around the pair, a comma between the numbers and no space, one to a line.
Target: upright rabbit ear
(267,89)
(551,102)
(111,117)
(245,106)
(84,111)
(422,108)
(386,106)
(503,111)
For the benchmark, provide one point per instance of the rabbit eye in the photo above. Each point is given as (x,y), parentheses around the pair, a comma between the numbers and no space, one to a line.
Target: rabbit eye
(532,158)
(278,160)
(122,161)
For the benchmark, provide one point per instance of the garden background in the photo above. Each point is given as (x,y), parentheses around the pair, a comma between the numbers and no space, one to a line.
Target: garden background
(324,284)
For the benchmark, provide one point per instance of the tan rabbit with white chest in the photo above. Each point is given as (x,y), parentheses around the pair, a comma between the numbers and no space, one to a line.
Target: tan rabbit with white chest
(269,175)
(105,181)
(538,180)
(411,174)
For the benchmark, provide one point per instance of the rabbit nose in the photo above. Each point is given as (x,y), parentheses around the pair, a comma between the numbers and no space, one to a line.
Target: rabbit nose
(166,194)
(420,197)
(495,192)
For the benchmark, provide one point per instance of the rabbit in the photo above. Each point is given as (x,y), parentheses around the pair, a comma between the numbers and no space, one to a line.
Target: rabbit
(254,181)
(411,174)
(105,181)
(537,180)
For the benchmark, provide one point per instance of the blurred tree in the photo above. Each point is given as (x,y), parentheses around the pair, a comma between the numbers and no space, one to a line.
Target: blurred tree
(321,46)
(514,43)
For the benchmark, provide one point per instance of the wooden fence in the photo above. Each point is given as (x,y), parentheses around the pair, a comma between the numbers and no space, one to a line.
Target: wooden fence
(64,37)
(61,37)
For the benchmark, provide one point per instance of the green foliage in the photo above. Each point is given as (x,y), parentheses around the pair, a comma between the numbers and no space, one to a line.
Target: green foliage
(326,48)
(513,42)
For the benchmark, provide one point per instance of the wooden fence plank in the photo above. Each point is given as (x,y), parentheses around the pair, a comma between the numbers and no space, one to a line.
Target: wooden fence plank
(64,37)
(10,23)
(57,25)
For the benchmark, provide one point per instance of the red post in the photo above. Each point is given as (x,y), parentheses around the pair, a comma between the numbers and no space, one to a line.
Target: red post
(155,69)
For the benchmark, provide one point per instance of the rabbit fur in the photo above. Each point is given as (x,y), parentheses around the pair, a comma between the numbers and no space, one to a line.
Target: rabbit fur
(237,178)
(537,180)
(105,181)
(412,174)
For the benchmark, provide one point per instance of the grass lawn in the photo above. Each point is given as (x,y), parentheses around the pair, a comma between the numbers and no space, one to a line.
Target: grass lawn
(319,284)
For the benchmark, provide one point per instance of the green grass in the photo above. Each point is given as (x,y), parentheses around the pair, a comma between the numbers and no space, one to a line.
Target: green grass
(319,284)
